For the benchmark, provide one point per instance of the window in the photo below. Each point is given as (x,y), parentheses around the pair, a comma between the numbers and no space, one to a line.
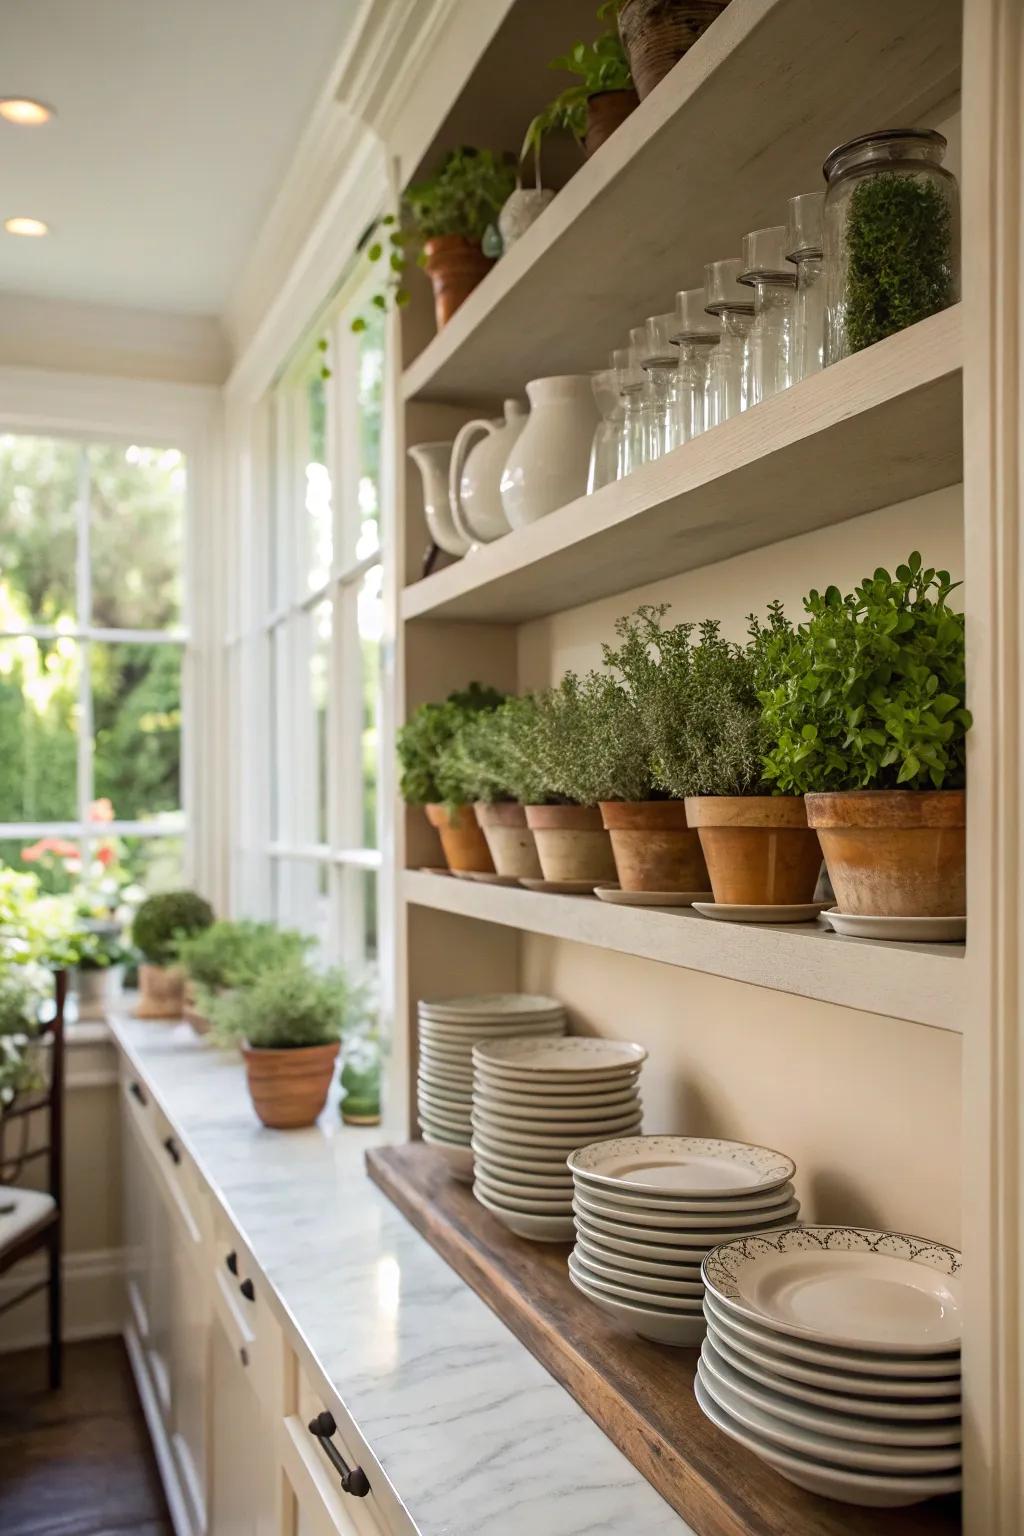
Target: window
(91,645)
(320,641)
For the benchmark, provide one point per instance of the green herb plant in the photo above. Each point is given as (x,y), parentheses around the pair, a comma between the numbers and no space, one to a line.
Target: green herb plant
(19,1024)
(232,954)
(557,746)
(425,736)
(163,920)
(899,244)
(97,946)
(488,757)
(288,1008)
(872,694)
(600,66)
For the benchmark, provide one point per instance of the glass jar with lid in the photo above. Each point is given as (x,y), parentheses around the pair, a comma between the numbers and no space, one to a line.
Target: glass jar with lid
(633,447)
(661,364)
(726,392)
(891,236)
(770,343)
(695,333)
(604,450)
(804,248)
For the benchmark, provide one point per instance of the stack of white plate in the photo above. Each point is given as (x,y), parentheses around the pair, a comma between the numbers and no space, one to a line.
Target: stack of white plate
(648,1209)
(534,1102)
(834,1354)
(448,1030)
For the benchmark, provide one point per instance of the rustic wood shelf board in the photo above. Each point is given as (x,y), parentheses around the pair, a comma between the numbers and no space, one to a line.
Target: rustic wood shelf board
(925,983)
(640,1394)
(741,124)
(877,428)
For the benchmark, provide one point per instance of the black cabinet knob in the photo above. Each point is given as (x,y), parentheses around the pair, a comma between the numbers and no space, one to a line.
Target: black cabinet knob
(135,1089)
(172,1149)
(354,1480)
(248,1290)
(232,1262)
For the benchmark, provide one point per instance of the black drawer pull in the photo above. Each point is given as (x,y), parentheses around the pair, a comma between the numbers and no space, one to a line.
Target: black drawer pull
(135,1089)
(172,1149)
(353,1479)
(248,1290)
(232,1262)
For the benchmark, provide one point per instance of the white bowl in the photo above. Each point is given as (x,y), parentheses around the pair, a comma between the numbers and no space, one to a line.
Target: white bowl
(674,1297)
(682,1285)
(528,1160)
(664,1327)
(648,1268)
(458,1158)
(504,1184)
(539,1229)
(546,1207)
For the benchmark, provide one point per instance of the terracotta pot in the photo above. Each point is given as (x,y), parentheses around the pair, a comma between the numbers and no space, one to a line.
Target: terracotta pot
(289,1087)
(463,842)
(606,111)
(509,839)
(454,265)
(654,848)
(190,1013)
(656,34)
(161,991)
(759,848)
(896,852)
(571,842)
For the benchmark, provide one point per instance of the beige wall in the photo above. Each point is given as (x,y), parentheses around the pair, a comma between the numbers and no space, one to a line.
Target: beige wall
(869,1107)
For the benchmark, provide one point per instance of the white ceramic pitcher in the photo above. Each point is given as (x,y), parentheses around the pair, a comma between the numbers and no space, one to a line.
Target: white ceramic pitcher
(548,465)
(478,458)
(433,460)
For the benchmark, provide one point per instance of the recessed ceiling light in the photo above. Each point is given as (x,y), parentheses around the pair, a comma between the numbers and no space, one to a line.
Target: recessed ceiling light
(24,226)
(24,111)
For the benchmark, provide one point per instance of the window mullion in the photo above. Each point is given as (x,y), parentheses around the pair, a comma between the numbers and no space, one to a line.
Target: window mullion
(83,575)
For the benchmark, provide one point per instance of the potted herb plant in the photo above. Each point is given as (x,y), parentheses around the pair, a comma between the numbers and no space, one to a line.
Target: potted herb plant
(231,954)
(158,925)
(450,215)
(867,718)
(288,1023)
(656,33)
(708,743)
(421,743)
(98,951)
(481,756)
(592,110)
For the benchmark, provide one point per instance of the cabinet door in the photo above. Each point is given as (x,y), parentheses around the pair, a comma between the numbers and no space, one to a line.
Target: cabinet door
(159,1259)
(137,1193)
(189,1339)
(242,1473)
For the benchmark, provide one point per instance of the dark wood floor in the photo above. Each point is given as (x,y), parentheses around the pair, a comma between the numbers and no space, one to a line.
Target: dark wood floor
(77,1462)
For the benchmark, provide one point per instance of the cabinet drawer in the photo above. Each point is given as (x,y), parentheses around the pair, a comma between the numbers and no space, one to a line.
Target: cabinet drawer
(322,1507)
(179,1178)
(240,1299)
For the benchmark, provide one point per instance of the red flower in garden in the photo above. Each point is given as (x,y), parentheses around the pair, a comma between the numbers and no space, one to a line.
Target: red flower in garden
(60,847)
(105,854)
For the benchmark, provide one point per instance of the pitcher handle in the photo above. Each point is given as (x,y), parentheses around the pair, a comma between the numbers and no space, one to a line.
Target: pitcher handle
(464,439)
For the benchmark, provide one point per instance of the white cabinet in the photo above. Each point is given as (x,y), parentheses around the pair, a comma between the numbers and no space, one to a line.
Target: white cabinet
(242,1461)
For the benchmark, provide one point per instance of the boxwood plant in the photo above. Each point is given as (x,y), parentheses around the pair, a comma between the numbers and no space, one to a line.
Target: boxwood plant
(424,738)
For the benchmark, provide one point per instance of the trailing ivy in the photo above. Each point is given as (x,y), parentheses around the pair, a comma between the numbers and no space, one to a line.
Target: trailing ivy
(899,242)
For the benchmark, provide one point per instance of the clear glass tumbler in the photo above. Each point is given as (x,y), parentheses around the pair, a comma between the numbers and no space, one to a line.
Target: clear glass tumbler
(770,343)
(605,447)
(727,390)
(804,249)
(633,438)
(661,364)
(695,333)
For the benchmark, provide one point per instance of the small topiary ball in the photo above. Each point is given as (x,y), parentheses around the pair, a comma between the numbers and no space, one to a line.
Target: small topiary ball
(163,919)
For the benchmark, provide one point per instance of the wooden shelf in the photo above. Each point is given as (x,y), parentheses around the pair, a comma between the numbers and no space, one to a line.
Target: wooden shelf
(877,428)
(924,983)
(641,1394)
(742,123)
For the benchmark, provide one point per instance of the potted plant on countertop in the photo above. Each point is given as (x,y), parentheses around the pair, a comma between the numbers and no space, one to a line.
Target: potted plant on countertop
(230,954)
(450,214)
(656,33)
(421,742)
(288,1023)
(360,1079)
(867,718)
(709,743)
(500,782)
(98,952)
(592,110)
(158,925)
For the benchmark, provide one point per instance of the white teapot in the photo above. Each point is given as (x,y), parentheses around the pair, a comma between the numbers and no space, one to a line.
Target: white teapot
(478,459)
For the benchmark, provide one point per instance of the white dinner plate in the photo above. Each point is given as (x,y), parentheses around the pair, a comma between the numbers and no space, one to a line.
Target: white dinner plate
(852,1427)
(565,1097)
(443,1093)
(651,1285)
(632,1248)
(558,1122)
(860,1362)
(456,1123)
(491,1005)
(904,1409)
(458,1158)
(684,1221)
(566,1055)
(522,1178)
(684,1165)
(873,1489)
(686,1306)
(541,1087)
(649,1268)
(696,1206)
(907,930)
(539,1229)
(854,1287)
(784,1369)
(466,1035)
(677,1238)
(557,1114)
(656,1323)
(526,1137)
(547,1207)
(528,1159)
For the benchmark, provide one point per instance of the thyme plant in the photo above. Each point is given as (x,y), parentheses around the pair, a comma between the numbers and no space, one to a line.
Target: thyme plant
(288,1007)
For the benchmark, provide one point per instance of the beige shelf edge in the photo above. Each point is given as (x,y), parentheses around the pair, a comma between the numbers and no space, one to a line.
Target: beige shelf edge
(878,428)
(923,983)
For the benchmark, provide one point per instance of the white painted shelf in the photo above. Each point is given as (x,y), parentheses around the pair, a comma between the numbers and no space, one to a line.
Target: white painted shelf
(925,983)
(879,427)
(742,123)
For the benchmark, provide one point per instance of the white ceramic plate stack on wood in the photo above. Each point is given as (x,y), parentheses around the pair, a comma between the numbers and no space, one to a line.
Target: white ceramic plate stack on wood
(834,1354)
(534,1102)
(649,1209)
(448,1030)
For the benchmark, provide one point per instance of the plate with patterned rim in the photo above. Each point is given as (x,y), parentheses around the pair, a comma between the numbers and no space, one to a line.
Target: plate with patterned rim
(831,1379)
(489,1005)
(567,1055)
(855,1287)
(697,1206)
(685,1221)
(684,1165)
(699,1241)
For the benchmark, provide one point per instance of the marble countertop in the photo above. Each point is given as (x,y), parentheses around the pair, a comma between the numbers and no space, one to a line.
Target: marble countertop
(474,1435)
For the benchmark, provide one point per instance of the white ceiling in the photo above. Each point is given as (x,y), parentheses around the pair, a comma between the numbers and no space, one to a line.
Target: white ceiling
(176,123)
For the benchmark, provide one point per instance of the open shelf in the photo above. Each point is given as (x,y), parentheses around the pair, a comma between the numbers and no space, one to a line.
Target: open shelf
(925,983)
(641,1394)
(880,427)
(742,123)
